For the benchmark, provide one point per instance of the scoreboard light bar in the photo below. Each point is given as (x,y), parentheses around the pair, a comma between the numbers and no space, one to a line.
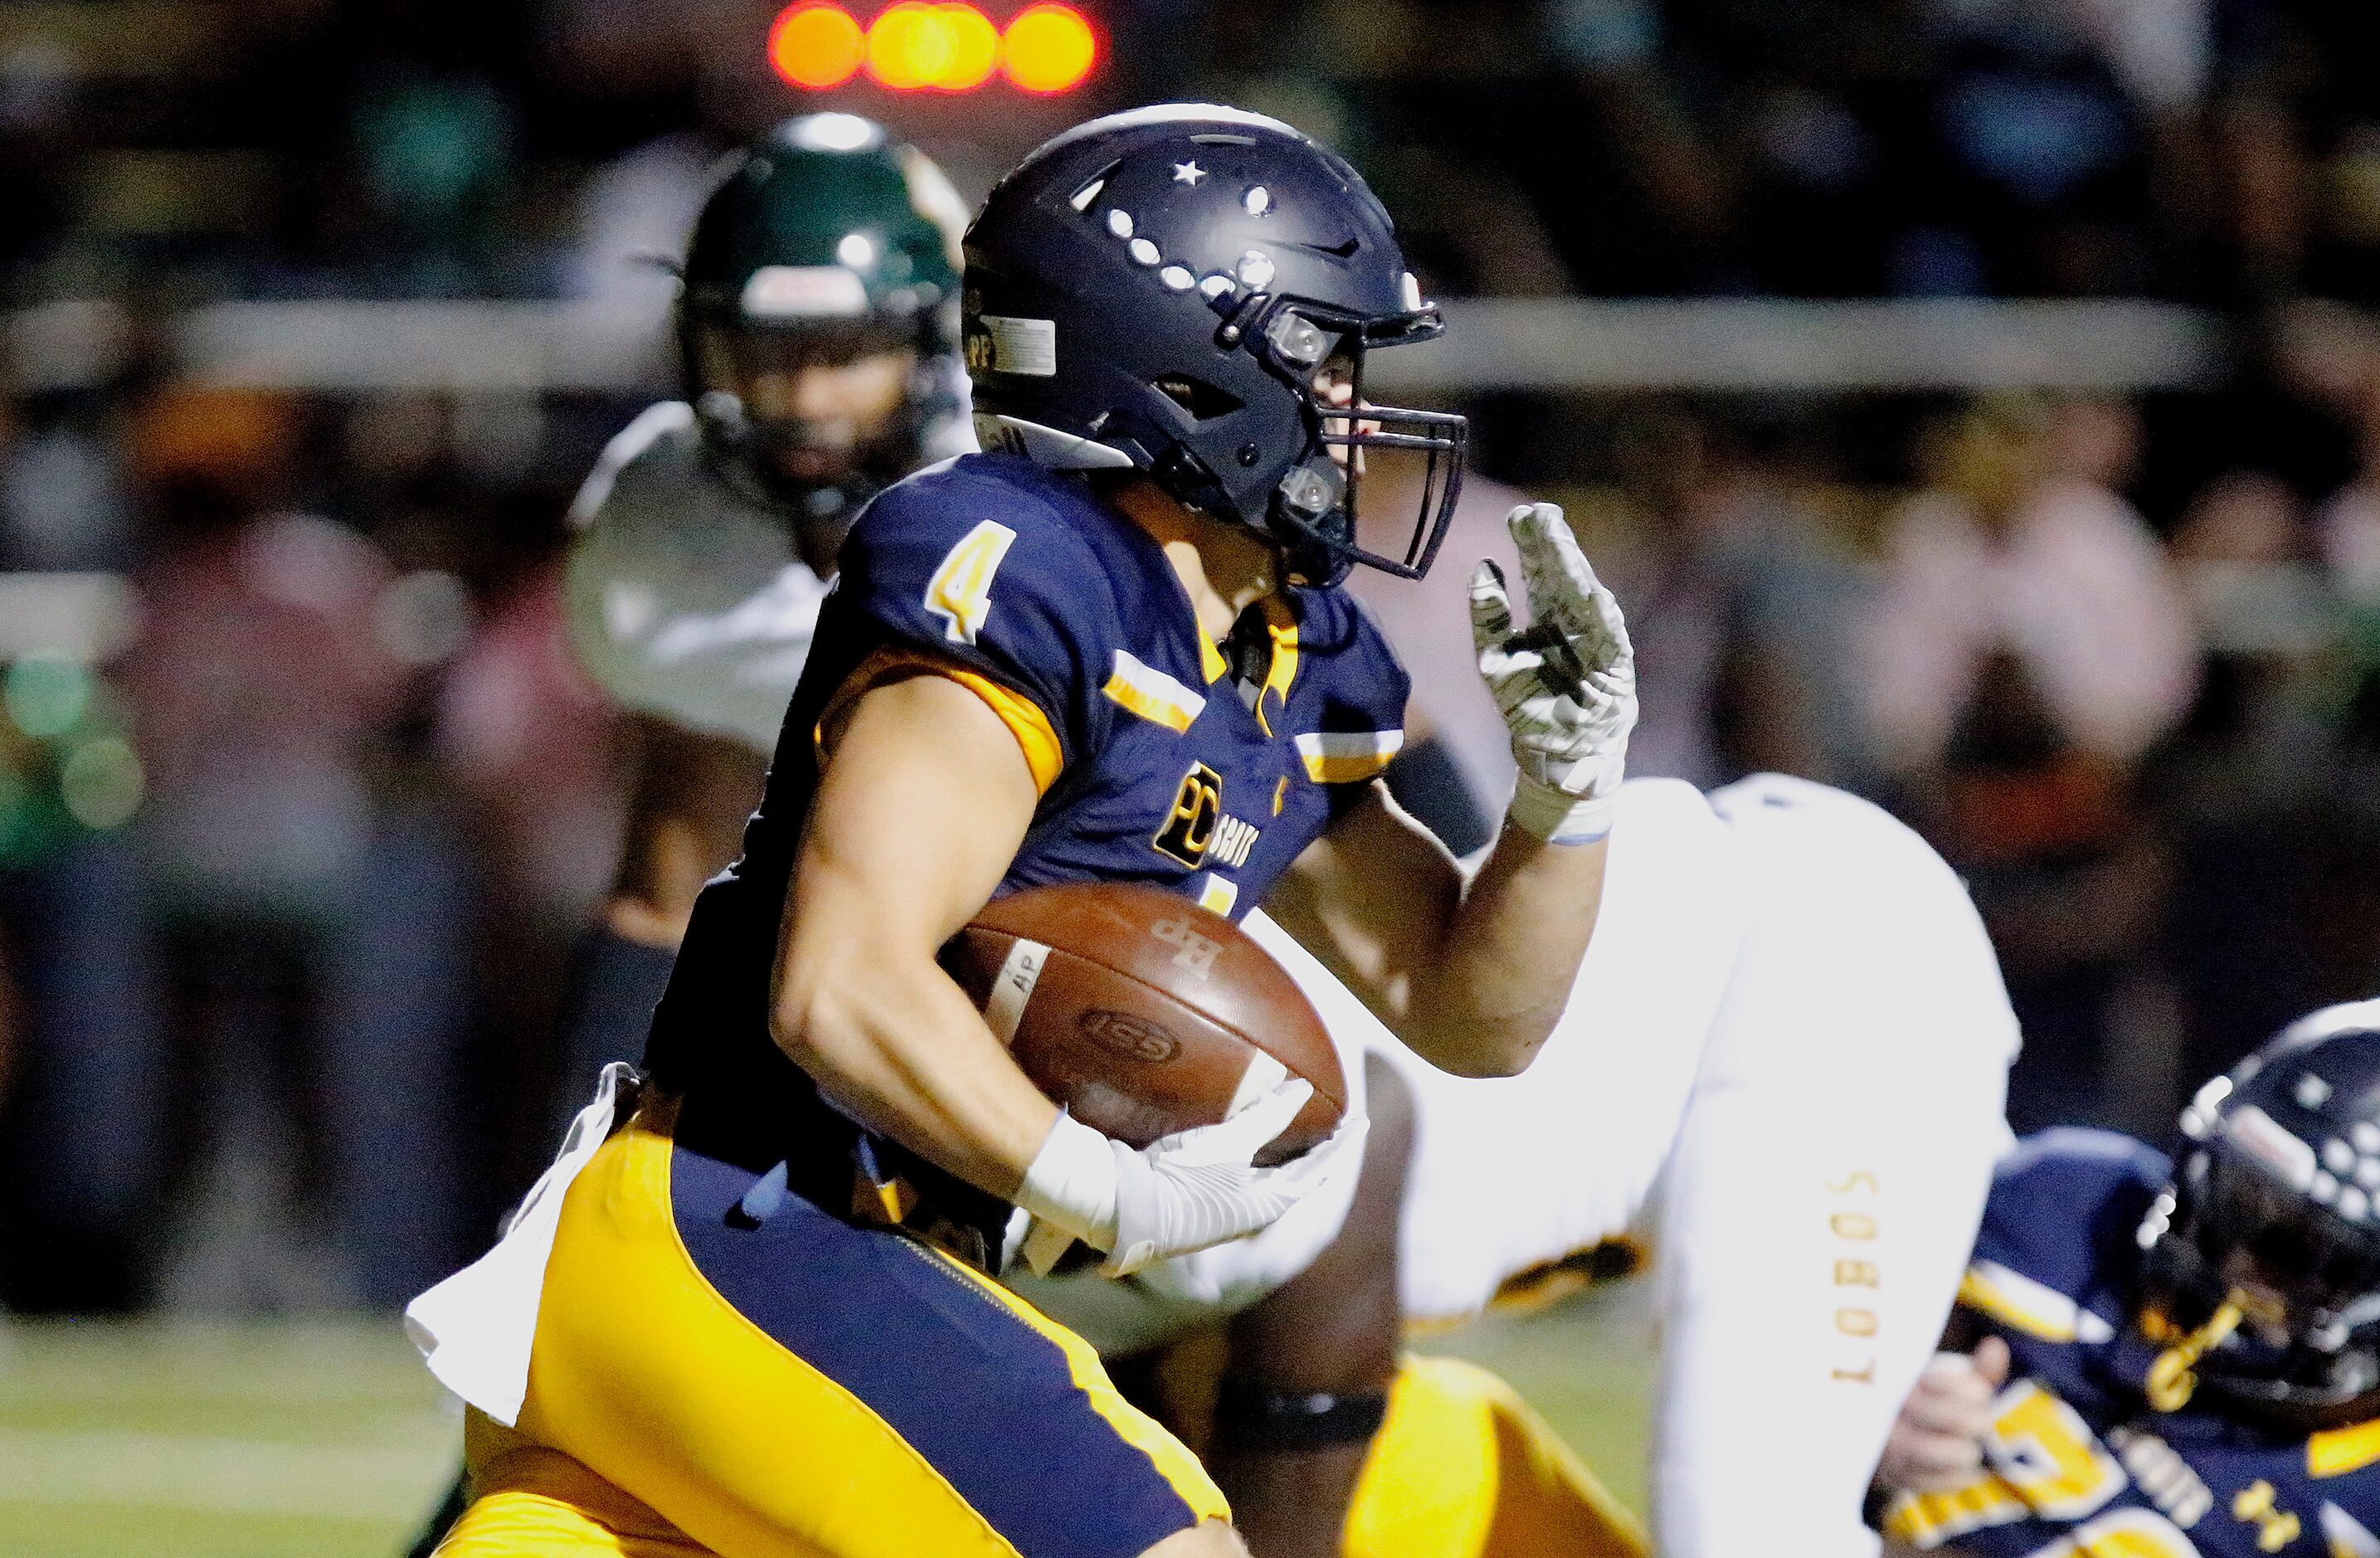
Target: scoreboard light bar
(913,45)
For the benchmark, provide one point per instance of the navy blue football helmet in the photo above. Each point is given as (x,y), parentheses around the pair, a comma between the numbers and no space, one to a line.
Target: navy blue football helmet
(2262,1259)
(1191,291)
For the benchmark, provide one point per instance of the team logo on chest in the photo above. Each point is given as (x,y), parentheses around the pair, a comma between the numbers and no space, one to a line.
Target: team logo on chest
(1195,832)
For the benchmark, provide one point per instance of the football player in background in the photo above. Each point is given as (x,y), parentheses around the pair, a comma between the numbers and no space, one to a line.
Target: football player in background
(817,334)
(1792,1021)
(818,328)
(756,1318)
(2159,1358)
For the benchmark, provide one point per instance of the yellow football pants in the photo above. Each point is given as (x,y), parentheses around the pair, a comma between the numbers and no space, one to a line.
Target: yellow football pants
(1463,1468)
(794,1386)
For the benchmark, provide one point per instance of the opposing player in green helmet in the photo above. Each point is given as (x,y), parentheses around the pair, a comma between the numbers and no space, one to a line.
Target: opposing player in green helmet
(818,328)
(820,318)
(819,325)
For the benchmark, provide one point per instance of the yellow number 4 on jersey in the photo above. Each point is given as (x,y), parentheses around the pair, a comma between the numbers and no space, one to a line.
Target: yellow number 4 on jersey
(960,591)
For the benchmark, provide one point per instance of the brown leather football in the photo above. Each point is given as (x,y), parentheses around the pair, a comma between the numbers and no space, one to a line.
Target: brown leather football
(1142,1013)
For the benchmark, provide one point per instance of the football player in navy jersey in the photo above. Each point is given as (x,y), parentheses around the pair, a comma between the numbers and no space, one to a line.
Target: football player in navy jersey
(2159,1358)
(818,326)
(756,1318)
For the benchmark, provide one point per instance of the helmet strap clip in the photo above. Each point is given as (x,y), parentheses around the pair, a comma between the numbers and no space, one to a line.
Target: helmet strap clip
(2171,1382)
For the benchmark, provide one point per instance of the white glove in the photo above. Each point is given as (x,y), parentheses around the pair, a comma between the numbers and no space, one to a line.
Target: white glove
(1181,1193)
(1566,683)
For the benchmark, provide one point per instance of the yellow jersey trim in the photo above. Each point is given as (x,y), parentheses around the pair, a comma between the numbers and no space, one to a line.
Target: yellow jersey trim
(1211,662)
(1022,717)
(1281,670)
(2022,1304)
(1172,1458)
(1344,756)
(2335,1452)
(1931,1519)
(1143,690)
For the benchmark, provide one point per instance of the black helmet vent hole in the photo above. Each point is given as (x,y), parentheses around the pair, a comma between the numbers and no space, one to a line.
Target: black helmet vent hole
(1203,401)
(1089,190)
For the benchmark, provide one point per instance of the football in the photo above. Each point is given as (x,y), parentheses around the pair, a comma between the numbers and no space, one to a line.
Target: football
(1142,1013)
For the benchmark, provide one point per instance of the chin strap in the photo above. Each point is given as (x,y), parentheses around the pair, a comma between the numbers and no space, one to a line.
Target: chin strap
(2170,1382)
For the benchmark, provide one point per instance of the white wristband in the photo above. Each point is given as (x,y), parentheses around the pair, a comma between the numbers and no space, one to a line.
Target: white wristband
(1557,816)
(1072,1182)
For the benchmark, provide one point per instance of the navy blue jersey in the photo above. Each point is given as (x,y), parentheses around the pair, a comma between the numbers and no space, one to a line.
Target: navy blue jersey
(1158,760)
(2078,1466)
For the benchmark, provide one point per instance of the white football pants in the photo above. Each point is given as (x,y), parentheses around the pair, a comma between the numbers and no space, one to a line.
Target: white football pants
(1821,1196)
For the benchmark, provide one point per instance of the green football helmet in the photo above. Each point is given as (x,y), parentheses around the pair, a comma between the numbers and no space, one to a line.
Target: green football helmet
(824,241)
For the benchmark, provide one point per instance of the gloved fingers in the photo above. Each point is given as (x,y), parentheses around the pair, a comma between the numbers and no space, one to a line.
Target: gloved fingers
(1555,572)
(1563,670)
(1305,1171)
(1491,608)
(1610,619)
(1515,678)
(1602,636)
(1125,1262)
(1541,532)
(1241,1137)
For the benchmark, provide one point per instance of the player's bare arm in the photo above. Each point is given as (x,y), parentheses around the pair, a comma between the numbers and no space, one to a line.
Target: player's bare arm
(920,808)
(1473,973)
(923,800)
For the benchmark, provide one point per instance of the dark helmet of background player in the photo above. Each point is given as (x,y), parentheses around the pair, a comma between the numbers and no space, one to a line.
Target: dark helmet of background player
(2262,1259)
(1180,290)
(823,242)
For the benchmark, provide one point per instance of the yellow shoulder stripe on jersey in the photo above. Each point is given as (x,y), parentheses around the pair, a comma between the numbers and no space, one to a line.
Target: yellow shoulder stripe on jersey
(1150,693)
(1022,717)
(1282,626)
(1341,756)
(2335,1452)
(2022,1304)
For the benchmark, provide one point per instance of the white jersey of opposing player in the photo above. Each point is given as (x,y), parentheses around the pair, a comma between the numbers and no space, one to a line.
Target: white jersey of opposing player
(1783,1061)
(1663,946)
(684,597)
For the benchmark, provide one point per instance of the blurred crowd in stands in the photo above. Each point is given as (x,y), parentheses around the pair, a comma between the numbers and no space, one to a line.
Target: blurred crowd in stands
(2219,150)
(303,807)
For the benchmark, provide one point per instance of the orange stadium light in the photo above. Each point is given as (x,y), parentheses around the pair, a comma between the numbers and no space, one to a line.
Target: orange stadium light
(815,46)
(914,45)
(953,48)
(908,46)
(1049,48)
(974,48)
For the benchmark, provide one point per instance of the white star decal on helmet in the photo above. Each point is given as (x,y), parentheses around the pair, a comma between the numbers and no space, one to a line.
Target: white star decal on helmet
(1188,173)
